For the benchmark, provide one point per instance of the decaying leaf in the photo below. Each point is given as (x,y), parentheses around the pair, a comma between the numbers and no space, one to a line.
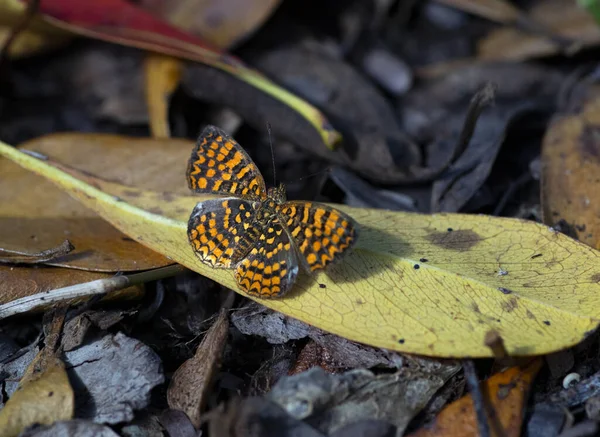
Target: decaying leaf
(133,367)
(17,257)
(35,215)
(162,74)
(276,328)
(254,417)
(189,388)
(72,428)
(567,27)
(134,370)
(329,402)
(463,274)
(220,23)
(571,165)
(36,38)
(44,394)
(125,23)
(374,145)
(434,114)
(44,400)
(506,394)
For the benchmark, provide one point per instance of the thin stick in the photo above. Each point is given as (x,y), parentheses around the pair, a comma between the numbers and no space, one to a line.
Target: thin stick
(477,396)
(272,154)
(86,289)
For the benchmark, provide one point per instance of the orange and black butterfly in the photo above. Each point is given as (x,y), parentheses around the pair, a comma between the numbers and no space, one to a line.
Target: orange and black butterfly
(256,231)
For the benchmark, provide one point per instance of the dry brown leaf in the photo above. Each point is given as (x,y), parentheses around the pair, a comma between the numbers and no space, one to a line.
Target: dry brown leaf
(495,10)
(37,37)
(44,256)
(35,215)
(18,282)
(505,393)
(563,18)
(571,169)
(191,382)
(44,395)
(222,23)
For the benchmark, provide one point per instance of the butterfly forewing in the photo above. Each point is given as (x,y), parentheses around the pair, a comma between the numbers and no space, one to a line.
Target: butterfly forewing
(271,267)
(222,231)
(219,165)
(322,233)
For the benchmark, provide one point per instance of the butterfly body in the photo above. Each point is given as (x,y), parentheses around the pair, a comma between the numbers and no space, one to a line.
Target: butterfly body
(256,231)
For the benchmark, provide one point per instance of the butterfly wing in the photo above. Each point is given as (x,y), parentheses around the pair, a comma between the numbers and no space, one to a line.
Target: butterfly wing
(323,234)
(219,165)
(222,231)
(271,267)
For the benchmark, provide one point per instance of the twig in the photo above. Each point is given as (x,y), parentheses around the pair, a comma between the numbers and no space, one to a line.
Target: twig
(477,396)
(86,289)
(18,257)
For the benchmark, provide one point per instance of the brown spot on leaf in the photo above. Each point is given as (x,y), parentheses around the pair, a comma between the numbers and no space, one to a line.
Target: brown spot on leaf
(459,240)
(589,141)
(595,277)
(566,228)
(475,308)
(131,193)
(530,315)
(510,305)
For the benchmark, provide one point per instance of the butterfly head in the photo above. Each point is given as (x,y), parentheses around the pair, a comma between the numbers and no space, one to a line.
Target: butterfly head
(277,194)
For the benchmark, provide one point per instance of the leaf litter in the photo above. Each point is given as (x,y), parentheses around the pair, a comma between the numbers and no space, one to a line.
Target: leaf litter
(395,81)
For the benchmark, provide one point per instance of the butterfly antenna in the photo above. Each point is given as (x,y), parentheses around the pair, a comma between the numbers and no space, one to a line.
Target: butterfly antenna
(325,170)
(272,153)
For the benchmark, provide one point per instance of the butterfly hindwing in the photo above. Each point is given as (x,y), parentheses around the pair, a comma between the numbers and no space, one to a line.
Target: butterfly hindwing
(219,165)
(323,234)
(270,268)
(223,231)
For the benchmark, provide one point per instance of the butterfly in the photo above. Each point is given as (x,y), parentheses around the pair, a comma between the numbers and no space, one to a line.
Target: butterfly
(255,230)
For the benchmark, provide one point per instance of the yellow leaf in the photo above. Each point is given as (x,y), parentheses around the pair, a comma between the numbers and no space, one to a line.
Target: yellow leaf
(37,37)
(425,284)
(44,399)
(162,75)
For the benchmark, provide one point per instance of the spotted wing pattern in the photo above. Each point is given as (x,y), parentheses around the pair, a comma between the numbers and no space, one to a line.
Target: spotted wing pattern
(220,165)
(222,231)
(322,233)
(271,267)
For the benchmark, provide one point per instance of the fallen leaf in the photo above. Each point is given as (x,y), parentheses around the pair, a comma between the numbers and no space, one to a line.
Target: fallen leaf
(222,23)
(162,75)
(125,23)
(45,400)
(17,257)
(373,143)
(570,168)
(434,114)
(35,215)
(44,394)
(38,37)
(331,401)
(427,284)
(255,416)
(496,10)
(134,369)
(276,328)
(192,381)
(563,18)
(113,287)
(72,428)
(506,395)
